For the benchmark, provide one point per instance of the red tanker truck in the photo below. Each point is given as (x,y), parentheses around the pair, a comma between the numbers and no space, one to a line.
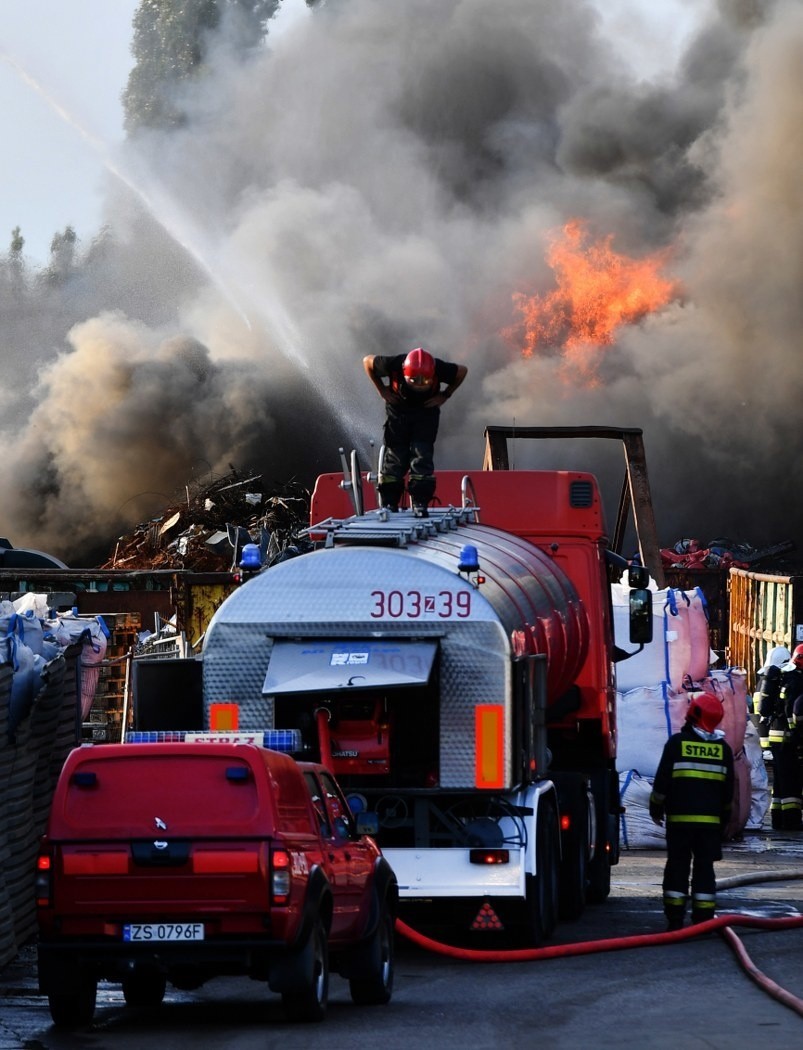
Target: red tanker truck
(456,674)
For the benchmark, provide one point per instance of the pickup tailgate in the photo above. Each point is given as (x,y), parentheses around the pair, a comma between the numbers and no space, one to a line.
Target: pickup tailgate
(223,883)
(169,833)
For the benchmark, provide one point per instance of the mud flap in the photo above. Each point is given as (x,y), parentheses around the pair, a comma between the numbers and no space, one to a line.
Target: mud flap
(293,971)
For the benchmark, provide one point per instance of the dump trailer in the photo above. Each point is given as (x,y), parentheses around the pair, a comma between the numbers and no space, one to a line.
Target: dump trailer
(456,673)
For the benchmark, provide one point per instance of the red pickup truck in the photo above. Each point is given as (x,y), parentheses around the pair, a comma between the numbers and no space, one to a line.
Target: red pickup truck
(179,862)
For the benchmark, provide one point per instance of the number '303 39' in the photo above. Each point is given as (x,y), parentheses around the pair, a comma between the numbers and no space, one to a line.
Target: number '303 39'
(412,605)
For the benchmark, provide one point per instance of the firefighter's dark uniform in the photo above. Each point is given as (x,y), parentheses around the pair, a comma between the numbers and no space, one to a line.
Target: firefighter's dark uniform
(791,778)
(409,432)
(796,724)
(693,788)
(765,701)
(774,720)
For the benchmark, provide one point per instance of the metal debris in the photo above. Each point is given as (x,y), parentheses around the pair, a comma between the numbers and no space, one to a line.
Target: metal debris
(206,531)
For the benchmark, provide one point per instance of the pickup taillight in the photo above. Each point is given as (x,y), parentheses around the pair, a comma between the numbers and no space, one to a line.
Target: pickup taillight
(44,880)
(280,876)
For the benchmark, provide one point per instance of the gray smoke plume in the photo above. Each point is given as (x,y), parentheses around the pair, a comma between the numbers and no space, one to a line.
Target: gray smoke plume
(384,176)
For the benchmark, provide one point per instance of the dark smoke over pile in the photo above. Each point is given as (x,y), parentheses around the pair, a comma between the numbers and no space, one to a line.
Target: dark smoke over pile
(385,176)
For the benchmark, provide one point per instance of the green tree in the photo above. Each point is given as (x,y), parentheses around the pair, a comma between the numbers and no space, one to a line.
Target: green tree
(62,256)
(171,45)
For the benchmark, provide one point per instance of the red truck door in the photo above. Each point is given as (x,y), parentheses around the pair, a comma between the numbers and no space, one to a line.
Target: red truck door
(336,859)
(360,855)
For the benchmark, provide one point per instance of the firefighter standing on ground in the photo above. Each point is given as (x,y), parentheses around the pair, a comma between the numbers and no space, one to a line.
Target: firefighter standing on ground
(791,787)
(693,788)
(773,726)
(413,398)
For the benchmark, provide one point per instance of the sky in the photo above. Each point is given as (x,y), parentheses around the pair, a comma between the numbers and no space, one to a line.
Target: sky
(78,54)
(63,69)
(387,175)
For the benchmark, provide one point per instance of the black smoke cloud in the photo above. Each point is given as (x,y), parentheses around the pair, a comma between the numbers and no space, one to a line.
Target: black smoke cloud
(384,176)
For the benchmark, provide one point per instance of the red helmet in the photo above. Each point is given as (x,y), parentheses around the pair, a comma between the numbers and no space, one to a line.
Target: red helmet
(419,364)
(705,711)
(797,656)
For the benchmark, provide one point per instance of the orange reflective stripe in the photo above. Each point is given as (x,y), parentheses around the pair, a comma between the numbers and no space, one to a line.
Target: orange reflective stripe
(489,731)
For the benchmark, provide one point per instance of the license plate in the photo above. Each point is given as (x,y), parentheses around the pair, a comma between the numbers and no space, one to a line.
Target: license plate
(145,932)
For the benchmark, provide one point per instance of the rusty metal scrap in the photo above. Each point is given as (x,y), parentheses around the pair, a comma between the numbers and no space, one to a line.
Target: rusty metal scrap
(178,538)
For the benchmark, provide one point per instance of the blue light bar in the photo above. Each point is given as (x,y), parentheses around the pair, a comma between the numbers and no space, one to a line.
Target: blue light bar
(286,740)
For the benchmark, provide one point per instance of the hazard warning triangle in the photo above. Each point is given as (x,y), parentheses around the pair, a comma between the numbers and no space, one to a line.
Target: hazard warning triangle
(487,919)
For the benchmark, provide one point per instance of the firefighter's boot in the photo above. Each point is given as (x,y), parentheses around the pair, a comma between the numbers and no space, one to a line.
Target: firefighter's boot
(390,492)
(674,909)
(421,489)
(674,920)
(701,916)
(703,907)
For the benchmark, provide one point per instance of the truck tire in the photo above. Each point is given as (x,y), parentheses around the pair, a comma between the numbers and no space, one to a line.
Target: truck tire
(541,907)
(75,1008)
(375,961)
(307,1001)
(144,988)
(574,862)
(599,874)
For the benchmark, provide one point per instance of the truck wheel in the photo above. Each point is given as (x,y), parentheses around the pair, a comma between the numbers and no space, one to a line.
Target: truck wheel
(599,870)
(574,863)
(375,986)
(144,988)
(599,876)
(74,1009)
(308,1002)
(541,907)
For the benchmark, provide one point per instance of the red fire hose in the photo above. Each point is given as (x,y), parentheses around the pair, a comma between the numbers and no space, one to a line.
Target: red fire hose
(723,923)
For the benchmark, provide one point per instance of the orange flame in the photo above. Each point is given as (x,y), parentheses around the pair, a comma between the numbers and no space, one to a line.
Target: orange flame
(598,292)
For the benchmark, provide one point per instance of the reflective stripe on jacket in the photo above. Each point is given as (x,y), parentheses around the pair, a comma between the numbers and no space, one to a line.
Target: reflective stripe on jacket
(694,782)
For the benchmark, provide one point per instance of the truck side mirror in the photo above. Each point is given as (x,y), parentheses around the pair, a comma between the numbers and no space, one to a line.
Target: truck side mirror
(637,576)
(641,616)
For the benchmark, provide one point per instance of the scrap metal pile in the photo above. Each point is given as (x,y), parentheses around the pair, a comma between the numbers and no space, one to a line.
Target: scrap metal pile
(206,531)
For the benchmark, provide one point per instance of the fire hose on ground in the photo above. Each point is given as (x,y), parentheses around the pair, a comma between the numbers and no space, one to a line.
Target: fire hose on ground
(723,923)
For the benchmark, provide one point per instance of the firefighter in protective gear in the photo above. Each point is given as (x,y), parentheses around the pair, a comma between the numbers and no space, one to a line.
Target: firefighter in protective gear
(773,724)
(413,396)
(693,789)
(790,786)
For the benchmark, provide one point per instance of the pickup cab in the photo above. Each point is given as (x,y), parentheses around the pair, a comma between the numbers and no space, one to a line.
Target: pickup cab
(178,862)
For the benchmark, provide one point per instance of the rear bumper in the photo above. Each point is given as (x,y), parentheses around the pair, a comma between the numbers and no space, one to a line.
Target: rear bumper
(66,959)
(449,873)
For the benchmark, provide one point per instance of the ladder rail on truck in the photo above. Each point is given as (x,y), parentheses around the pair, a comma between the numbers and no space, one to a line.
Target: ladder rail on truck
(457,675)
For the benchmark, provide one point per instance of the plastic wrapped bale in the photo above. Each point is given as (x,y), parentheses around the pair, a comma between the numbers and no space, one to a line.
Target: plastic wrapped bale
(93,634)
(760,794)
(742,793)
(647,667)
(637,828)
(688,648)
(31,631)
(681,638)
(730,686)
(643,727)
(25,686)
